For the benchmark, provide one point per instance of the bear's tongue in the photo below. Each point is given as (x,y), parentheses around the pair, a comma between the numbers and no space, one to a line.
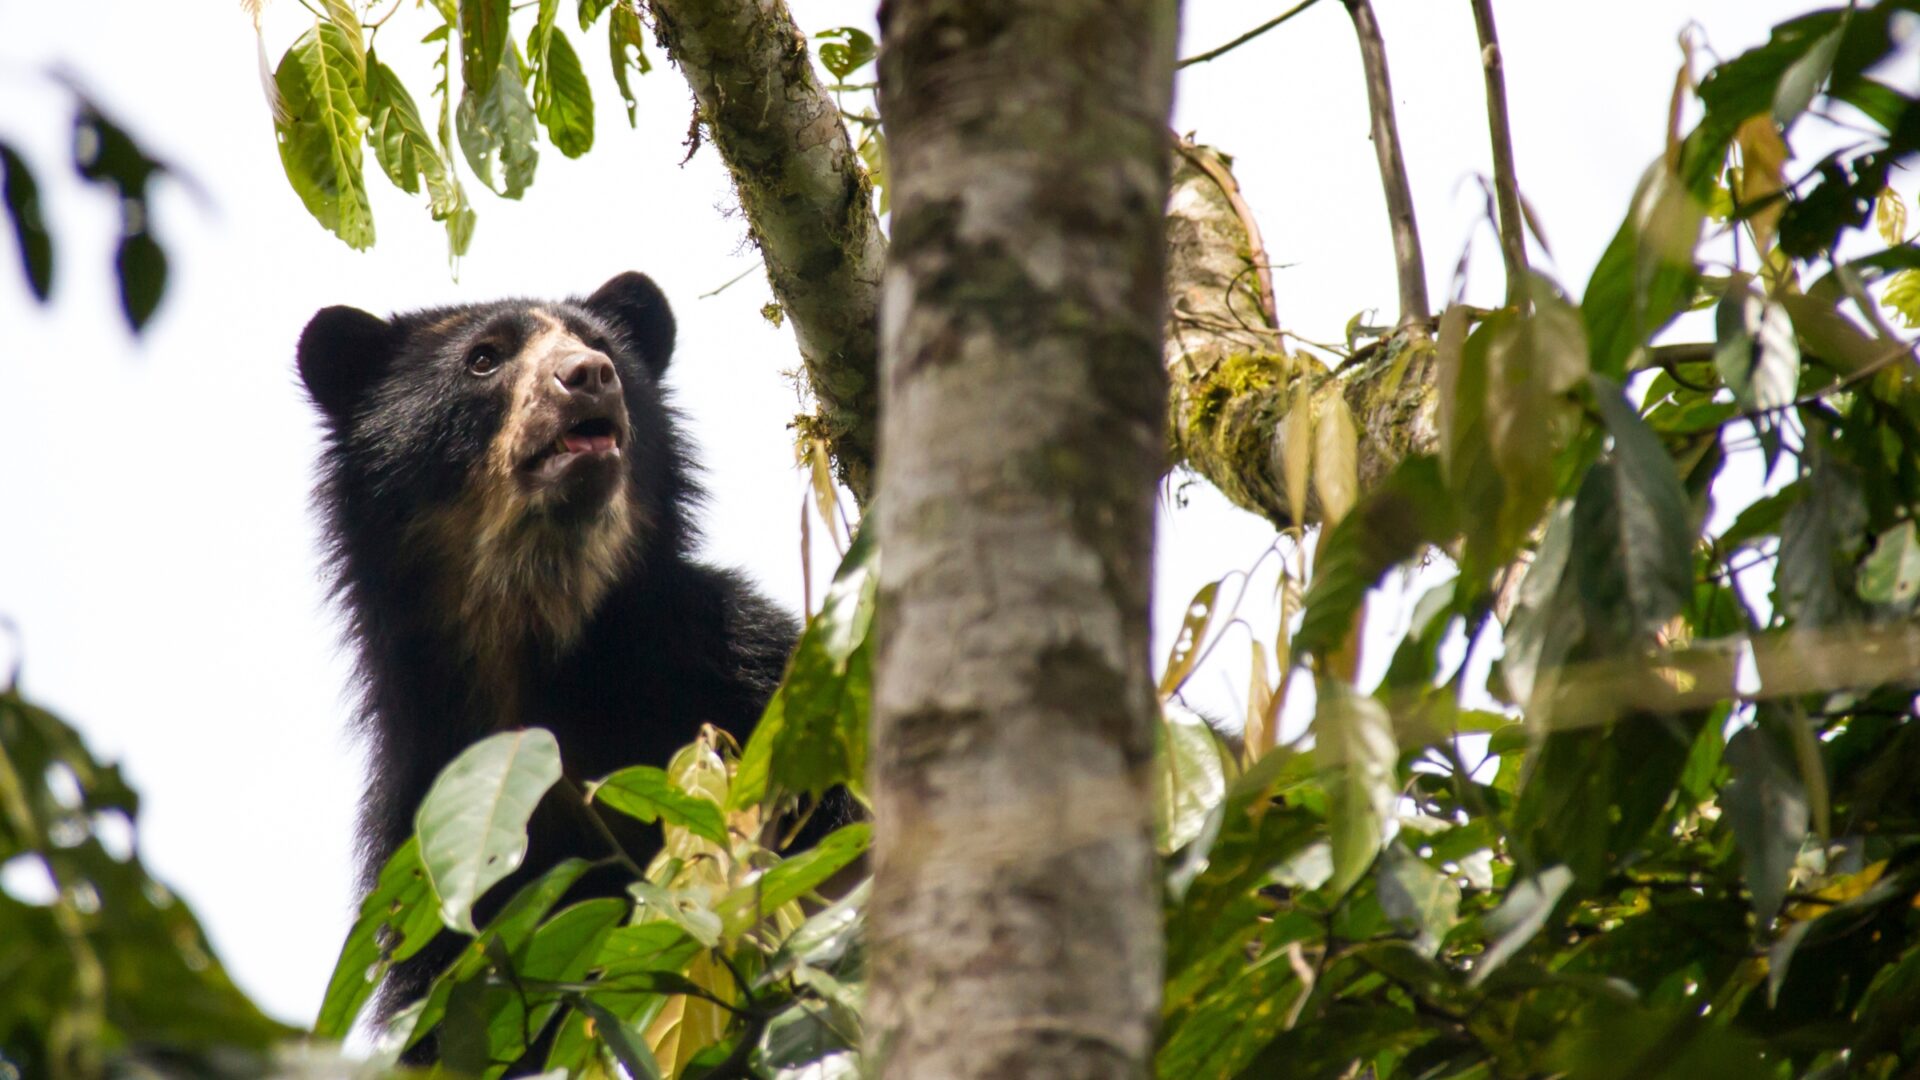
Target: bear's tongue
(583,444)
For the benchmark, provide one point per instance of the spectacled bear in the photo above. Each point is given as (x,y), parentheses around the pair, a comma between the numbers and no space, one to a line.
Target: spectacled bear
(505,500)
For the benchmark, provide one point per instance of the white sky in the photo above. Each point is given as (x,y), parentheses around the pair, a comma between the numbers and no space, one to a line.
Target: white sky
(156,548)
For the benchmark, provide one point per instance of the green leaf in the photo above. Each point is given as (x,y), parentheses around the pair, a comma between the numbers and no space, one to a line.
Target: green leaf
(1767,808)
(1803,79)
(849,50)
(35,244)
(590,11)
(1533,360)
(473,821)
(661,945)
(1417,898)
(561,98)
(483,44)
(1646,276)
(505,936)
(497,130)
(793,878)
(1546,623)
(1819,538)
(813,735)
(1755,351)
(323,81)
(623,34)
(1353,735)
(1409,510)
(1634,552)
(408,154)
(1519,917)
(396,920)
(646,793)
(1190,776)
(629,1044)
(1902,296)
(1891,572)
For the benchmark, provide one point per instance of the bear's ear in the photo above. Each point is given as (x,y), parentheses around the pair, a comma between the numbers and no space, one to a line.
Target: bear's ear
(634,303)
(343,352)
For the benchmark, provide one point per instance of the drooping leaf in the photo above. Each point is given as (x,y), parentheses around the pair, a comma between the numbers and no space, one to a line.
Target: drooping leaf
(1533,360)
(497,129)
(1819,540)
(1755,351)
(35,244)
(1408,510)
(627,48)
(1354,738)
(1190,778)
(590,11)
(323,80)
(1188,644)
(645,792)
(142,269)
(813,735)
(1519,918)
(1646,276)
(1803,79)
(483,45)
(1631,519)
(473,821)
(1336,449)
(1418,899)
(561,98)
(1767,808)
(1759,185)
(1902,297)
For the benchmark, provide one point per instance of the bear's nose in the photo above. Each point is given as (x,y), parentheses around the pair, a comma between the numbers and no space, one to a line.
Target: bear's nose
(588,373)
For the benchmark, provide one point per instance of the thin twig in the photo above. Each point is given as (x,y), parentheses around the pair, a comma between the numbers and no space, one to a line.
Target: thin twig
(735,280)
(1249,35)
(1410,264)
(1506,185)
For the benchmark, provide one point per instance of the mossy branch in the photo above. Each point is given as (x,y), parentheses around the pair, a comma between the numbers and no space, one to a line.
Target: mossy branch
(806,197)
(1232,380)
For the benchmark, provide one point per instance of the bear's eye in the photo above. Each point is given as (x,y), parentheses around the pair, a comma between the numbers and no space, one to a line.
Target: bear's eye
(483,359)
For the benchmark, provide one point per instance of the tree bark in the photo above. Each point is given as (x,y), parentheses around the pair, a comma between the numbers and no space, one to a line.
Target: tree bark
(1015,919)
(806,197)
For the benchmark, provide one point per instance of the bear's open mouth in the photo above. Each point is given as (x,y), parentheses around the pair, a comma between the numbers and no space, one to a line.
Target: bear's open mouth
(593,437)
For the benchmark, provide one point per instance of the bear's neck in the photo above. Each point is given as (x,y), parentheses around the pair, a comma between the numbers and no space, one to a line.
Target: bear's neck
(507,592)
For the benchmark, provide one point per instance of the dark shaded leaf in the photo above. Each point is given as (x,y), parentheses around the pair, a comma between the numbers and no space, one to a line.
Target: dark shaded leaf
(1634,544)
(35,244)
(1767,808)
(142,269)
(1409,510)
(1418,899)
(1755,353)
(1520,916)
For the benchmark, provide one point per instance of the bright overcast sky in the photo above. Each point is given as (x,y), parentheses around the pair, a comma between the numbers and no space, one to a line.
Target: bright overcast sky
(156,549)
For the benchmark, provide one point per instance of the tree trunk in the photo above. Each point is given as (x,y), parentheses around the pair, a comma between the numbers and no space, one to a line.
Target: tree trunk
(1015,919)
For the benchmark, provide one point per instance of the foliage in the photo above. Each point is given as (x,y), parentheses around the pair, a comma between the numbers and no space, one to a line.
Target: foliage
(102,968)
(104,154)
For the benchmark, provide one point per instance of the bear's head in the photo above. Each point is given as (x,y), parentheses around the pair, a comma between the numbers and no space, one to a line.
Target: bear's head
(511,459)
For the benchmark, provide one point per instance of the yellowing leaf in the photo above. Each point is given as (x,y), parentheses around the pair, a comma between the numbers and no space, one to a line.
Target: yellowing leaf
(1763,155)
(1902,297)
(1336,448)
(1186,647)
(1295,438)
(1890,216)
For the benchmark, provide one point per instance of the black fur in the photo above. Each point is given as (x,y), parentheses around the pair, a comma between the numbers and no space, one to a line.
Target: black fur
(673,644)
